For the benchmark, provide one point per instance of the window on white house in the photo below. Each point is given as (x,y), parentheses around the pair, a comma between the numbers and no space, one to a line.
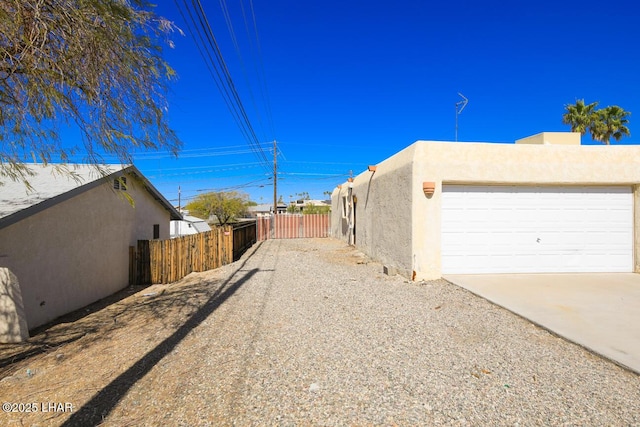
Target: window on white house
(120,183)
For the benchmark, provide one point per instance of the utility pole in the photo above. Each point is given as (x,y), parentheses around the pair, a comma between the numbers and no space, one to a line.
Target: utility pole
(275,185)
(180,212)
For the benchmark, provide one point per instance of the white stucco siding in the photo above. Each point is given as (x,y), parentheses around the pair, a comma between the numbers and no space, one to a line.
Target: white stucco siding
(147,213)
(76,252)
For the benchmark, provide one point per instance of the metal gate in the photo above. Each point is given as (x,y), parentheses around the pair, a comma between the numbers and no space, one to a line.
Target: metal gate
(293,226)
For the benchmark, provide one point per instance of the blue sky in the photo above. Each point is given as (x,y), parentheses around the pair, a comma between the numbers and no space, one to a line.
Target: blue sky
(350,83)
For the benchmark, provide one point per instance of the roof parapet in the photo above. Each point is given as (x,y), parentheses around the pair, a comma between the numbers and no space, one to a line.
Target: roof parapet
(552,138)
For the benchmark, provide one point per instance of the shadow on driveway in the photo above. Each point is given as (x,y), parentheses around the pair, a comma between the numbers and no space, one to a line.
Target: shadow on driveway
(100,406)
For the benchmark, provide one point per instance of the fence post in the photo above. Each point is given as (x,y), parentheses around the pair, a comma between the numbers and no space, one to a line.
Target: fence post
(143,275)
(133,266)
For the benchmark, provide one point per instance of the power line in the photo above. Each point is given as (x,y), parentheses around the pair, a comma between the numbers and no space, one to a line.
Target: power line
(208,171)
(199,25)
(219,166)
(236,45)
(262,81)
(230,86)
(166,155)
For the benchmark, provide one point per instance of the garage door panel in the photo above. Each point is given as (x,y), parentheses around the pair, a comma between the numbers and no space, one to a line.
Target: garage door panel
(617,216)
(536,229)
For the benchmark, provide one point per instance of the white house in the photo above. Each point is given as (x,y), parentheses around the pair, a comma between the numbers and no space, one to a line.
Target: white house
(188,225)
(301,204)
(65,244)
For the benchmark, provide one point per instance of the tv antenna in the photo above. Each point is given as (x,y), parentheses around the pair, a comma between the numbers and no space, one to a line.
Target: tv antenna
(459,107)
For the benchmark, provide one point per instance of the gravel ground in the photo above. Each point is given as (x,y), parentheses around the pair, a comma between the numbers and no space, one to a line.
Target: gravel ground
(310,332)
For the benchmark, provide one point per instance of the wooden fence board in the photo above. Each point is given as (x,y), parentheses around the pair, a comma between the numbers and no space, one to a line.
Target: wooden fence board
(244,236)
(166,261)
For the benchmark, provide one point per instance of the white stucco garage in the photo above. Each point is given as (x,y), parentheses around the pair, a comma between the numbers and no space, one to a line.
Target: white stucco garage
(544,204)
(550,229)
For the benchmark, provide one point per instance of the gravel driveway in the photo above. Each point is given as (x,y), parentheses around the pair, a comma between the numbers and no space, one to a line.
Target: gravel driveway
(310,332)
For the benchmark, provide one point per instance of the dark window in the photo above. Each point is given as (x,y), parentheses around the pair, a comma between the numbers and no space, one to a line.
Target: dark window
(344,206)
(120,183)
(156,231)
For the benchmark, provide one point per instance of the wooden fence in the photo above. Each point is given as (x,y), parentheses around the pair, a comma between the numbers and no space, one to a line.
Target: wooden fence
(293,226)
(166,261)
(244,236)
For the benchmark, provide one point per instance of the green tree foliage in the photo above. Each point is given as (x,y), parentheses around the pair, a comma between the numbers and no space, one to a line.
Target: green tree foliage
(226,206)
(602,124)
(310,208)
(93,64)
(579,116)
(611,122)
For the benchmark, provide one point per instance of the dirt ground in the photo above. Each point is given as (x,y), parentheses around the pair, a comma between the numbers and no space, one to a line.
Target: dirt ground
(67,363)
(305,332)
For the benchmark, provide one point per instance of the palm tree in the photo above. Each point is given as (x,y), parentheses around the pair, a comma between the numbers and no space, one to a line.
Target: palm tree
(610,122)
(579,116)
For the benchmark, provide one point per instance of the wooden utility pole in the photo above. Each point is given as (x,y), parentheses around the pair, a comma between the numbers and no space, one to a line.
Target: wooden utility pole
(275,185)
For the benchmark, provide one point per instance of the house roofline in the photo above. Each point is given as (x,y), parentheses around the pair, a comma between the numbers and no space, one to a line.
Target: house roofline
(52,201)
(175,215)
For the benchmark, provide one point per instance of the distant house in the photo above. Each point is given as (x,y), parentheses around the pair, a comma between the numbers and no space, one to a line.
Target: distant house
(545,204)
(188,225)
(67,241)
(265,209)
(300,205)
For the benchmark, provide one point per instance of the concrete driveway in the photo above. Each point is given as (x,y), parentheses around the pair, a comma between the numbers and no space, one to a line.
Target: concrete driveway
(599,311)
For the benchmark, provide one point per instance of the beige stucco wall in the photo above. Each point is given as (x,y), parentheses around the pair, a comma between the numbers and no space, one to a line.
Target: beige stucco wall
(76,252)
(557,138)
(383,210)
(13,324)
(470,163)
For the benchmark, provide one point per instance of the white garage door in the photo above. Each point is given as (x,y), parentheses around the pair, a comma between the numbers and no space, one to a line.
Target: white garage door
(515,229)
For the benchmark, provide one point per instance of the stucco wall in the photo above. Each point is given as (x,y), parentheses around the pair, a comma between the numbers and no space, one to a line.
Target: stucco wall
(557,138)
(506,164)
(400,214)
(383,212)
(13,324)
(76,252)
